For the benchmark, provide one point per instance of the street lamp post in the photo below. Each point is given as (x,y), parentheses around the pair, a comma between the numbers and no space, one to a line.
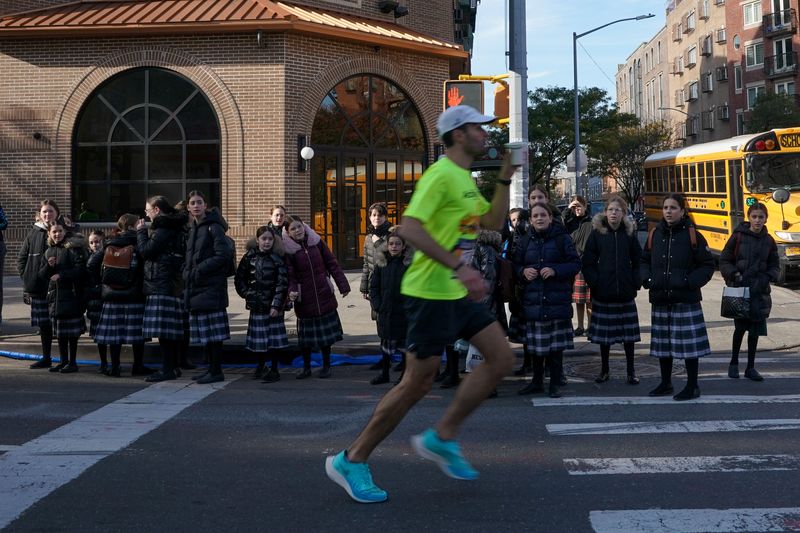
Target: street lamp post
(580,185)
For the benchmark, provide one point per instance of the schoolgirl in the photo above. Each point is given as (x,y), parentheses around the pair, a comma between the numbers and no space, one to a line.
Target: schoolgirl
(750,259)
(611,260)
(373,243)
(122,313)
(578,223)
(208,256)
(162,248)
(676,264)
(262,280)
(310,264)
(29,263)
(545,262)
(391,263)
(277,221)
(64,269)
(94,290)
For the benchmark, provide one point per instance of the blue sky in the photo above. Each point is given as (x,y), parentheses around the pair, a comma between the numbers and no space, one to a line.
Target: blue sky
(549,39)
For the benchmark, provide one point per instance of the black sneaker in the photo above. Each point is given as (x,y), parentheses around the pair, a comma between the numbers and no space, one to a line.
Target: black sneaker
(42,363)
(58,367)
(303,374)
(326,372)
(161,376)
(69,369)
(663,389)
(272,376)
(752,373)
(210,378)
(102,369)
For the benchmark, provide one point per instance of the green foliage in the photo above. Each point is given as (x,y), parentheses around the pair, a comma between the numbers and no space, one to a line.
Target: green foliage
(773,110)
(620,153)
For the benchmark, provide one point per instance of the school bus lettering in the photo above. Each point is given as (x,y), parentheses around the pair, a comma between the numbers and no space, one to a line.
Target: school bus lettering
(790,140)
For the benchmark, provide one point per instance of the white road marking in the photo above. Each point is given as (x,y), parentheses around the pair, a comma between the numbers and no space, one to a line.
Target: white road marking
(709,426)
(681,465)
(696,520)
(766,375)
(660,400)
(30,472)
(8,447)
(759,360)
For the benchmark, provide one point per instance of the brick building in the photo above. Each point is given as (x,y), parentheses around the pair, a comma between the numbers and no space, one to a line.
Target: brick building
(106,102)
(723,56)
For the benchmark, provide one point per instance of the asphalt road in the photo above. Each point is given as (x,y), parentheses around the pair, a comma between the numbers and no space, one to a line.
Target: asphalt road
(94,454)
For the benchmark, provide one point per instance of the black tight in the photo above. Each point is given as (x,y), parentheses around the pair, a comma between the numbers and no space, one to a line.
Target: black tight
(169,354)
(326,357)
(102,351)
(68,348)
(752,345)
(214,350)
(605,350)
(46,336)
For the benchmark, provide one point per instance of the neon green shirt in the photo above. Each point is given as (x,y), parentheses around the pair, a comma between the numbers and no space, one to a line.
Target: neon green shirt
(449,205)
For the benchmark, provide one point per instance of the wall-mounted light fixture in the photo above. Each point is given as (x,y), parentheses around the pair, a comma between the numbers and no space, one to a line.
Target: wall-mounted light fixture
(393,6)
(304,153)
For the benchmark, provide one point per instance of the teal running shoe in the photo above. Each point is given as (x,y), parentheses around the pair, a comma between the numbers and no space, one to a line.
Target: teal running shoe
(445,453)
(355,478)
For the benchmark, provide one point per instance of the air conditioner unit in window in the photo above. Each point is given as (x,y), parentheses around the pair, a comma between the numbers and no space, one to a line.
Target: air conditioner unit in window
(721,35)
(723,113)
(722,73)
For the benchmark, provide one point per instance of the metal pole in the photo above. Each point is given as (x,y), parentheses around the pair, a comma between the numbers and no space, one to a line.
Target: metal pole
(518,96)
(577,116)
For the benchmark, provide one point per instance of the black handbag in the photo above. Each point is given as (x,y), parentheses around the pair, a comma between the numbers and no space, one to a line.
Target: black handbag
(735,302)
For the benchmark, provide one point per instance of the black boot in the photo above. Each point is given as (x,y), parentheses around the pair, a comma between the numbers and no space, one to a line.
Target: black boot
(665,387)
(691,391)
(326,363)
(383,377)
(214,366)
(115,350)
(167,371)
(556,370)
(537,382)
(46,337)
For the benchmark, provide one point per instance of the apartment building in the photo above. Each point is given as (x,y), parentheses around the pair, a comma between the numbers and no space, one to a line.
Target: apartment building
(643,80)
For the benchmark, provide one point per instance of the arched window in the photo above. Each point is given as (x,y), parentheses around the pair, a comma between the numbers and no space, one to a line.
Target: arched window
(144,132)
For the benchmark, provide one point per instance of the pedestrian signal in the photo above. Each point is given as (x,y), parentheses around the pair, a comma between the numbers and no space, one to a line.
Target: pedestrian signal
(463,92)
(501,100)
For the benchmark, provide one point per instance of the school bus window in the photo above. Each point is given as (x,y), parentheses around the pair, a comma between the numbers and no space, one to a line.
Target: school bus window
(719,176)
(662,175)
(692,178)
(701,177)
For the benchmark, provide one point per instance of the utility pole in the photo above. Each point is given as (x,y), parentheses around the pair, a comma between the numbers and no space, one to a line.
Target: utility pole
(518,96)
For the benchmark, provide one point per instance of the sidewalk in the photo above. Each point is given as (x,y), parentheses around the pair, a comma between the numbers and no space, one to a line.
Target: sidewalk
(359,330)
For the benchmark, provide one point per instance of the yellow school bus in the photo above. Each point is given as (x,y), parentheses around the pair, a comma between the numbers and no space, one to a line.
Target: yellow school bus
(720,179)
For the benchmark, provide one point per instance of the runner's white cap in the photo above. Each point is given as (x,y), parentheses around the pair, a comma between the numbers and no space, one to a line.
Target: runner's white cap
(456,116)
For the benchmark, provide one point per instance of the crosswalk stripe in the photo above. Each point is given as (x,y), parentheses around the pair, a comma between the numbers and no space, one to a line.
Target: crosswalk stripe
(759,360)
(30,472)
(680,465)
(696,520)
(660,400)
(768,375)
(708,426)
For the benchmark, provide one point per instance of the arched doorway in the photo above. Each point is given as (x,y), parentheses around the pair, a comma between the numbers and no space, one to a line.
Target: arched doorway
(370,147)
(146,131)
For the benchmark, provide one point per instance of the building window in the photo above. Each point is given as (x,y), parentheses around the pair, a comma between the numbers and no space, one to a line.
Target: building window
(737,42)
(737,78)
(752,13)
(784,87)
(740,129)
(691,22)
(693,92)
(753,94)
(658,49)
(754,54)
(145,132)
(691,56)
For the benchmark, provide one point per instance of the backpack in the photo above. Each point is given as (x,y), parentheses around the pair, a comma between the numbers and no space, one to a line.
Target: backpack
(119,264)
(505,279)
(692,238)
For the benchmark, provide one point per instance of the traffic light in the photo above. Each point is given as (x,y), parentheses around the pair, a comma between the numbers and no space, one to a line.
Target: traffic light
(463,92)
(501,100)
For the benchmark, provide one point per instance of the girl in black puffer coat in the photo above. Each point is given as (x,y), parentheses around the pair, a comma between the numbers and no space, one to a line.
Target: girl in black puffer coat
(676,264)
(387,303)
(208,257)
(750,259)
(122,314)
(262,280)
(63,270)
(611,260)
(29,262)
(162,248)
(94,291)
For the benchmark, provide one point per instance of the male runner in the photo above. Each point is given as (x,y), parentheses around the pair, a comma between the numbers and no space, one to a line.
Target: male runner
(441,291)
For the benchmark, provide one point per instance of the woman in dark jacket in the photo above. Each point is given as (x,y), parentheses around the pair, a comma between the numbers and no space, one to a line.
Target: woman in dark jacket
(122,315)
(94,292)
(277,221)
(208,258)
(310,264)
(545,263)
(750,259)
(611,261)
(162,248)
(64,270)
(387,303)
(29,263)
(262,280)
(676,264)
(373,243)
(578,223)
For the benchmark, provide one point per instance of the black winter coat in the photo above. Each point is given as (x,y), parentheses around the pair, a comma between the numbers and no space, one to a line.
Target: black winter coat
(578,228)
(673,270)
(611,261)
(547,299)
(371,250)
(132,294)
(163,249)
(208,255)
(29,261)
(65,298)
(262,279)
(94,284)
(384,294)
(756,262)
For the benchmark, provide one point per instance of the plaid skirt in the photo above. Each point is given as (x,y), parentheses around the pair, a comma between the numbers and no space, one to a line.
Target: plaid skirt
(68,328)
(319,331)
(265,332)
(209,327)
(613,323)
(545,336)
(93,310)
(120,323)
(164,317)
(580,290)
(390,346)
(40,314)
(678,330)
